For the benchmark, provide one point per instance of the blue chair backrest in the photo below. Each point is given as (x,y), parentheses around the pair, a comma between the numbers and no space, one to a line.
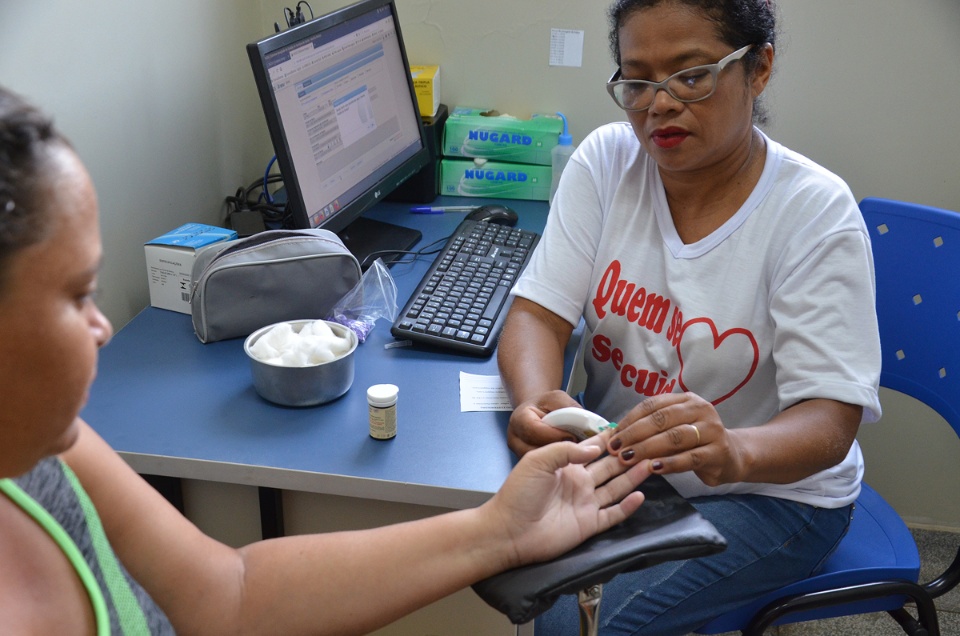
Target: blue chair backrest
(916,250)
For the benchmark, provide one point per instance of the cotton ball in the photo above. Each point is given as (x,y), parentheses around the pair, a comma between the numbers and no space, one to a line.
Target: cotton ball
(320,328)
(310,341)
(303,344)
(306,329)
(317,348)
(339,345)
(263,350)
(294,358)
(280,336)
(320,353)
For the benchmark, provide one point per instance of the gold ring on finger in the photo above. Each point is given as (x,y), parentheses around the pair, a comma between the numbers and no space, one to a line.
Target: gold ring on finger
(697,431)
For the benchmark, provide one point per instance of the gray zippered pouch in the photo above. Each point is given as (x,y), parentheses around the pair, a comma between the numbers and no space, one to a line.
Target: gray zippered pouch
(269,277)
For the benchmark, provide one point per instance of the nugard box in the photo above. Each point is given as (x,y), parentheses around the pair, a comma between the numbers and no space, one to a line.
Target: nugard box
(460,177)
(484,133)
(170,262)
(426,84)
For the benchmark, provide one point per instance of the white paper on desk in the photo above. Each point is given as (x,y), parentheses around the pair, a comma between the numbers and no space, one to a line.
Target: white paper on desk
(482,393)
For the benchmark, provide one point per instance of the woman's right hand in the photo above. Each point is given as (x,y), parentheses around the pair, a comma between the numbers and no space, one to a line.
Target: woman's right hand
(527,431)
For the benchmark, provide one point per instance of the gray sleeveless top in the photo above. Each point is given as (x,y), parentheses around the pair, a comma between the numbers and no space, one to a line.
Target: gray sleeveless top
(52,495)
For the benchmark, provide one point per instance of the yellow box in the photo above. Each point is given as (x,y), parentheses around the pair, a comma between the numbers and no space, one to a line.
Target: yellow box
(426,83)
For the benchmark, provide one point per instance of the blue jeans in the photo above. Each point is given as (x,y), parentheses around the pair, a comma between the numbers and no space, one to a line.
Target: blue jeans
(770,543)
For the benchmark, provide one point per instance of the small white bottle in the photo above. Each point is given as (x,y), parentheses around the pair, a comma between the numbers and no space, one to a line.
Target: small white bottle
(560,155)
(382,402)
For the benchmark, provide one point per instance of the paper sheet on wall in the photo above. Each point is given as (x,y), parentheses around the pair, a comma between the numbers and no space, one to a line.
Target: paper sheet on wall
(482,393)
(566,47)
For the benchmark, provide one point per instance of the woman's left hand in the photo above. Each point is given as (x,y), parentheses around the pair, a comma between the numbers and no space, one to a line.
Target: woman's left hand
(679,432)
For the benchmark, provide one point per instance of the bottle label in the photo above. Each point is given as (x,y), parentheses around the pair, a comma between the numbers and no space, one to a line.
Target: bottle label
(383,422)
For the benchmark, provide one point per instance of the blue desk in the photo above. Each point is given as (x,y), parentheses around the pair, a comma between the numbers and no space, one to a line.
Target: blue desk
(175,407)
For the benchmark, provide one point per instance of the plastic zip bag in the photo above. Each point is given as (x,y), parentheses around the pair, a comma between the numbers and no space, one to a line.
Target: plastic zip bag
(374,297)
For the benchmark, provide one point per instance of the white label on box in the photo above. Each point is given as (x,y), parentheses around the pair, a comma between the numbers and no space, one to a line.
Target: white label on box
(169,270)
(170,274)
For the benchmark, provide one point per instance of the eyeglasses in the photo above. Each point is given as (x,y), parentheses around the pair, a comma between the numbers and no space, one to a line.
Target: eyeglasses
(690,85)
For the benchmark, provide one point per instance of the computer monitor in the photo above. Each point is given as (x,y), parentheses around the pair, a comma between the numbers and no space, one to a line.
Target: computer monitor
(343,117)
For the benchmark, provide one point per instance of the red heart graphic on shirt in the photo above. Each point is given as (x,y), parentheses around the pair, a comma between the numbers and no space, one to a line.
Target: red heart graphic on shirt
(737,349)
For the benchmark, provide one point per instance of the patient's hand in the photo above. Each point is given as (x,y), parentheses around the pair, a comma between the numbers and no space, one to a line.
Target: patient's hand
(558,496)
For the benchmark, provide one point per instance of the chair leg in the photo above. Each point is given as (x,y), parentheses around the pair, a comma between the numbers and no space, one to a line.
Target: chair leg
(928,623)
(589,601)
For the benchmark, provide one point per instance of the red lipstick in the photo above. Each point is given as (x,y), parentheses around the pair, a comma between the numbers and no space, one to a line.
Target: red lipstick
(669,137)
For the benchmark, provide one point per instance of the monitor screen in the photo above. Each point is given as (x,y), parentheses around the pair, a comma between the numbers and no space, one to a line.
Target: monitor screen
(342,114)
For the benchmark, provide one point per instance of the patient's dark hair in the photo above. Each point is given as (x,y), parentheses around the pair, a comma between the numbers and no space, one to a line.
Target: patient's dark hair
(27,141)
(738,22)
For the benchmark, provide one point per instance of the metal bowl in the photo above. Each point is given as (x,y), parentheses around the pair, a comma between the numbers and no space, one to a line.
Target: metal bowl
(302,386)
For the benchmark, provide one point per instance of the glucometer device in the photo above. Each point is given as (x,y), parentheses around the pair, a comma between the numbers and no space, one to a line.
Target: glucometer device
(577,421)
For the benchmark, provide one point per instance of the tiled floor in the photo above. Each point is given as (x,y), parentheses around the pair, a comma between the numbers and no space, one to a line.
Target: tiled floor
(937,550)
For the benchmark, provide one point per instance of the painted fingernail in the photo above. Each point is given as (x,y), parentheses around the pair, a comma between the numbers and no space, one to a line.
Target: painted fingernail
(615,444)
(628,454)
(656,464)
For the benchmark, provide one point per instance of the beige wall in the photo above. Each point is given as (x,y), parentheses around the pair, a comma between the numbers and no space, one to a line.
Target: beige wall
(159,100)
(156,100)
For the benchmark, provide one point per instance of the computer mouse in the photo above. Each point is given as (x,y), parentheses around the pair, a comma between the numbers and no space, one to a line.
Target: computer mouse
(494,213)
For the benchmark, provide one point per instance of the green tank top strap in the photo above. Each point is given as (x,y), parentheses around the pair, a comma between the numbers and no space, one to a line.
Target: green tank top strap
(130,615)
(69,548)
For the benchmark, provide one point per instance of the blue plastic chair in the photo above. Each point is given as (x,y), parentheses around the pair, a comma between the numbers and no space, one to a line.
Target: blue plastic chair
(877,566)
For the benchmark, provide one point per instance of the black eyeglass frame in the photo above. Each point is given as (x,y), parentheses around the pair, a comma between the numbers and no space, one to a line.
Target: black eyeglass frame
(714,69)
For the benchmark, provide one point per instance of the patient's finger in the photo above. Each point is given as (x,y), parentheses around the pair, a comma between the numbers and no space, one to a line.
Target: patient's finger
(620,486)
(611,516)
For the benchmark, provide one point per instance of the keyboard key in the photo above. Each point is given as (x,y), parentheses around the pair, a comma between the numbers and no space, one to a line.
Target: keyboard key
(493,307)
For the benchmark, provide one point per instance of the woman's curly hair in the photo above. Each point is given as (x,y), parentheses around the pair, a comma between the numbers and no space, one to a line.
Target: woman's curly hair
(27,137)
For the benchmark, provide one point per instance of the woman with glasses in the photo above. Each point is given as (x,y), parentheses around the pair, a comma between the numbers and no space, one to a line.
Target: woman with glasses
(726,285)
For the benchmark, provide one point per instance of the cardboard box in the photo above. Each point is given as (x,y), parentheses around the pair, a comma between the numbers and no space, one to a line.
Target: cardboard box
(170,262)
(484,133)
(460,177)
(426,83)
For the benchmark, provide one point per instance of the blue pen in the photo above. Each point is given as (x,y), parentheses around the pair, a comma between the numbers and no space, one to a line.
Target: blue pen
(440,209)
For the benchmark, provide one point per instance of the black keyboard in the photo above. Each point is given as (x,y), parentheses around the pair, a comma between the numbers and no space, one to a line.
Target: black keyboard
(461,302)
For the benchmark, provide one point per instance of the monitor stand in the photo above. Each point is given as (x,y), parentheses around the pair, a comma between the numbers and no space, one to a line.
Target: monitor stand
(365,236)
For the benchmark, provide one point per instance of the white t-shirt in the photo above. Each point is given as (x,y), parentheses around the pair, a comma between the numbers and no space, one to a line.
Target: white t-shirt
(774,307)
